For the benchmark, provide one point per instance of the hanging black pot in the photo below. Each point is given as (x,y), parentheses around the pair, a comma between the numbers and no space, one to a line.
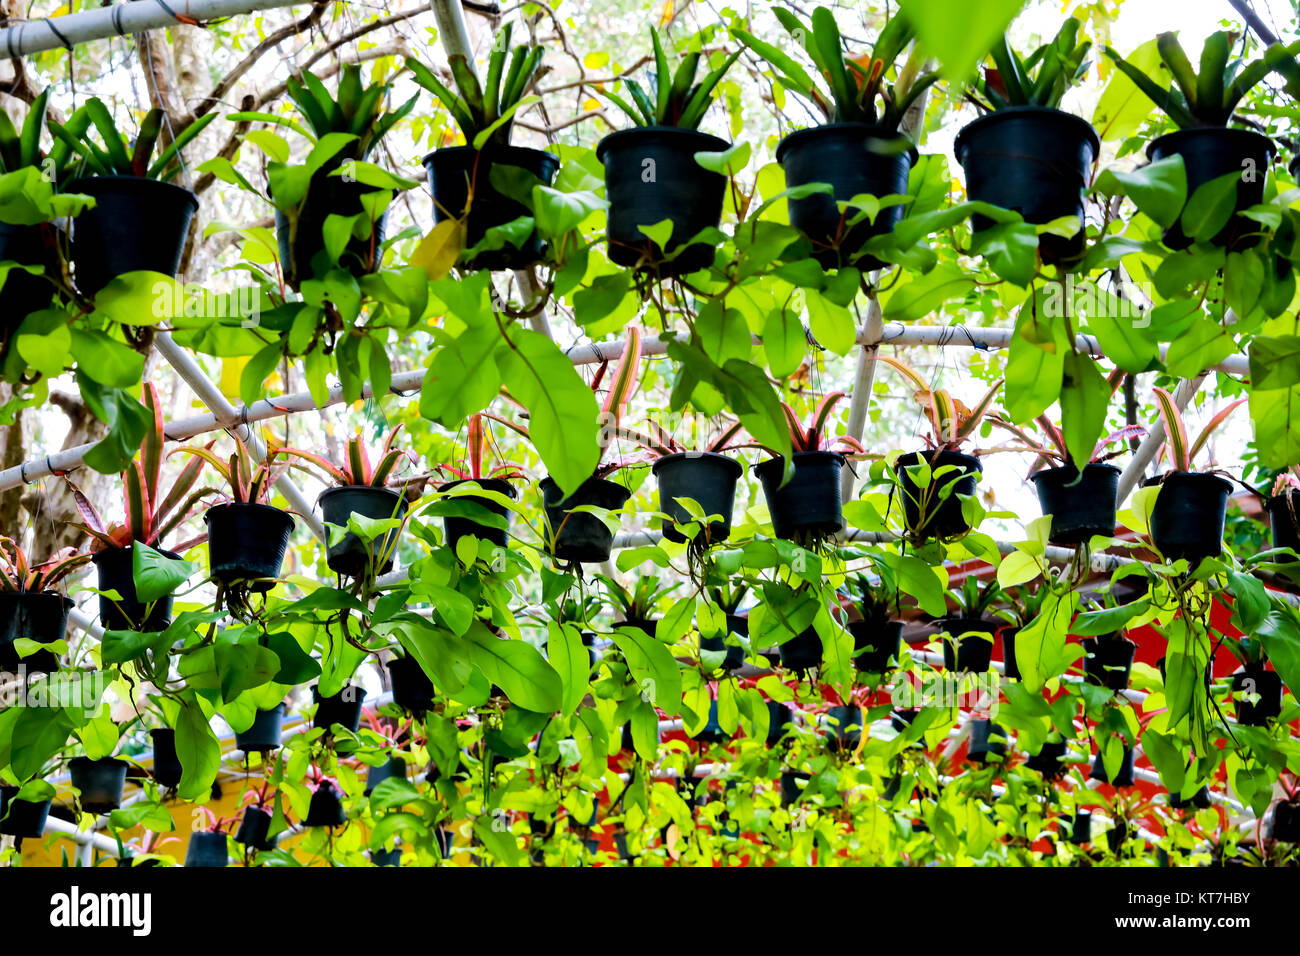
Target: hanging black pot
(969,644)
(1048,759)
(136,224)
(711,732)
(247,542)
(1213,152)
(457,527)
(1189,516)
(779,720)
(900,720)
(254,829)
(988,741)
(1009,666)
(1284,521)
(351,556)
(99,781)
(855,159)
(343,708)
(24,293)
(207,850)
(128,614)
(1080,507)
(167,769)
(1200,800)
(735,653)
(1284,824)
(580,536)
(264,734)
(1081,828)
(395,768)
(809,504)
(844,723)
(391,857)
(22,818)
(1124,778)
(802,651)
(40,616)
(412,688)
(708,478)
(1032,160)
(326,807)
(875,643)
(651,175)
(453,170)
(791,791)
(930,511)
(1256,678)
(302,246)
(1109,660)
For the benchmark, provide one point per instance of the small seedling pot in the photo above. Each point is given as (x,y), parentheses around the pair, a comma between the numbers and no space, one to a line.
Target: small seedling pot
(1109,660)
(412,688)
(1284,521)
(100,782)
(932,511)
(395,768)
(810,503)
(22,818)
(326,807)
(1032,160)
(1048,759)
(1081,507)
(1010,668)
(24,293)
(844,728)
(711,732)
(1255,678)
(802,651)
(779,720)
(207,850)
(1124,778)
(1284,824)
(791,788)
(651,175)
(1189,516)
(264,734)
(302,248)
(343,708)
(454,169)
(254,829)
(969,644)
(580,536)
(247,542)
(875,644)
(1081,828)
(391,857)
(735,653)
(988,742)
(855,159)
(167,769)
(351,556)
(136,224)
(128,614)
(708,478)
(1200,800)
(1211,153)
(40,616)
(458,527)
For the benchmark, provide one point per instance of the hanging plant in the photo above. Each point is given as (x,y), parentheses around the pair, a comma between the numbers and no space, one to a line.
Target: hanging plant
(466,513)
(30,607)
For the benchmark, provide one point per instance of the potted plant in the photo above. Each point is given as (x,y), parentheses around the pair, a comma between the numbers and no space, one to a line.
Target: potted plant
(480,184)
(933,482)
(140,219)
(1123,777)
(496,480)
(208,848)
(99,782)
(1256,690)
(342,709)
(326,806)
(861,149)
(1025,154)
(1108,660)
(1201,105)
(988,741)
(264,734)
(167,769)
(636,605)
(1025,604)
(24,810)
(1050,758)
(845,724)
(1283,507)
(780,720)
(412,688)
(728,598)
(877,638)
(667,140)
(1191,507)
(30,607)
(806,505)
(968,633)
(1284,823)
(254,832)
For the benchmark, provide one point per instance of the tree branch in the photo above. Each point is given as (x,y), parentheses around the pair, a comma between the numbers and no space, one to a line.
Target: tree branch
(1253,21)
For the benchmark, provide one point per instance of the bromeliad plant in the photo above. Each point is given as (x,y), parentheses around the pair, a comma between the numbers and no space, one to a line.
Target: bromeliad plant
(1181,454)
(248,483)
(952,424)
(477,441)
(116,154)
(1054,448)
(636,604)
(1059,65)
(678,100)
(19,575)
(812,437)
(357,469)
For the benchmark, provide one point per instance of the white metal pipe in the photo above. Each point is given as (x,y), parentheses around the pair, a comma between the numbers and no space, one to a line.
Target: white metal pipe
(863,379)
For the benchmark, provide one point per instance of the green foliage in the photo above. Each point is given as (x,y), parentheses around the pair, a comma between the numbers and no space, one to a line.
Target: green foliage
(115,154)
(1040,79)
(678,100)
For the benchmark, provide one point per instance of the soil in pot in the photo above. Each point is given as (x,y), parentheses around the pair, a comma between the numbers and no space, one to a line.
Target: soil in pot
(1032,160)
(167,769)
(779,720)
(451,172)
(458,527)
(326,807)
(136,224)
(1284,521)
(207,850)
(264,734)
(1210,154)
(934,510)
(801,652)
(710,479)
(855,159)
(99,781)
(1109,660)
(875,643)
(651,175)
(351,556)
(128,614)
(302,244)
(24,293)
(1009,666)
(579,536)
(968,646)
(988,741)
(844,726)
(343,708)
(1124,778)
(22,818)
(1081,507)
(40,616)
(1048,759)
(1255,678)
(254,829)
(246,543)
(807,509)
(412,688)
(1189,516)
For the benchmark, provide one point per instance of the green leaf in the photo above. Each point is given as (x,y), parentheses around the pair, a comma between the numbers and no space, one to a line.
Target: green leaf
(1274,361)
(946,29)
(155,574)
(517,668)
(569,657)
(926,293)
(198,750)
(1158,189)
(1107,620)
(1085,400)
(1210,207)
(653,668)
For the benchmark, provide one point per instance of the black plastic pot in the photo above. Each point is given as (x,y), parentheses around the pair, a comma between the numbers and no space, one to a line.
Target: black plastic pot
(779,720)
(1209,154)
(23,293)
(167,769)
(791,791)
(1081,828)
(137,224)
(207,850)
(457,528)
(809,504)
(452,170)
(855,159)
(708,478)
(352,557)
(1258,679)
(802,651)
(1124,778)
(735,653)
(343,708)
(1034,161)
(264,734)
(651,175)
(987,741)
(1080,507)
(254,827)
(1009,666)
(969,645)
(247,542)
(128,614)
(874,644)
(412,688)
(99,781)
(582,537)
(1189,516)
(1200,800)
(711,732)
(22,818)
(1284,824)
(1109,660)
(326,807)
(844,727)
(1048,759)
(931,512)
(395,768)
(40,616)
(302,247)
(1284,520)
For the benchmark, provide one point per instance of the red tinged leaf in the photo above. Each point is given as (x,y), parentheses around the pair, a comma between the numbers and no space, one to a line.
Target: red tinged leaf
(151,452)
